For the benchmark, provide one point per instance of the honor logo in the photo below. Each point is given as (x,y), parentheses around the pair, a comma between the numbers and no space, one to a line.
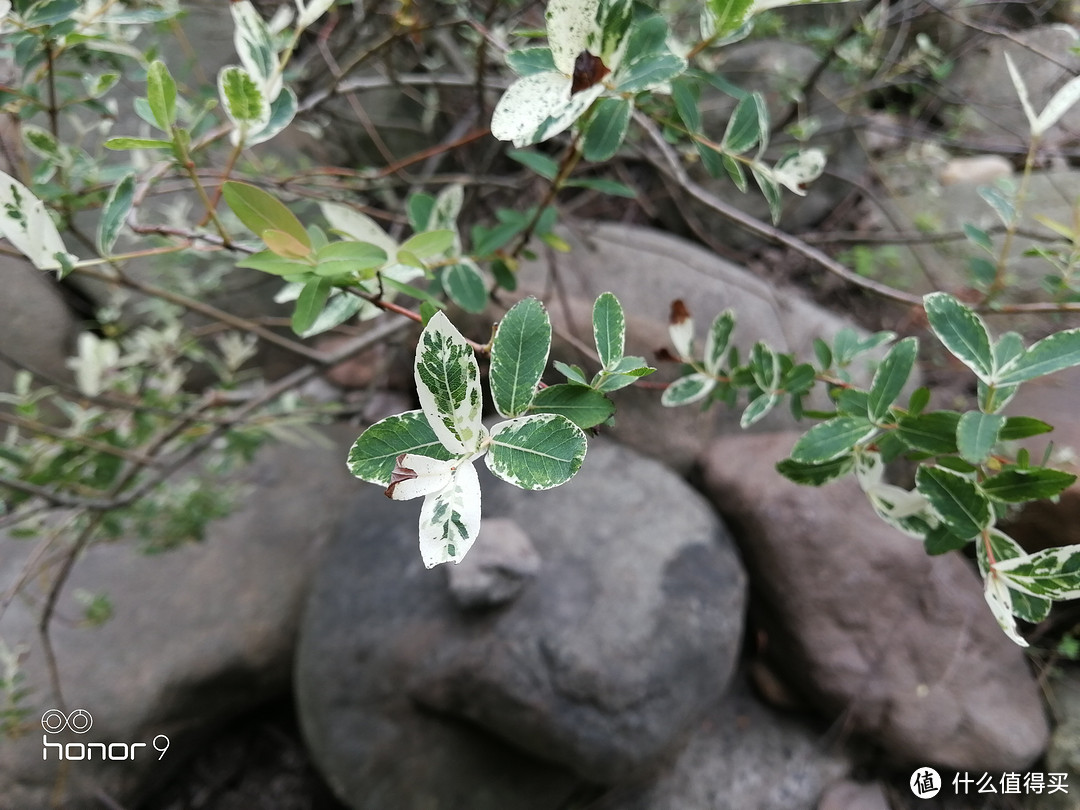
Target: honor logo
(79,721)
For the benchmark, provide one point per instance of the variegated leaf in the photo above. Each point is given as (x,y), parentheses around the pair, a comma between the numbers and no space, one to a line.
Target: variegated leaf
(448,385)
(450,518)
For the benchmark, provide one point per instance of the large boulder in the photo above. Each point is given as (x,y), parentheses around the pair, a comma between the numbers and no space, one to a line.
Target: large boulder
(867,627)
(197,636)
(415,694)
(742,755)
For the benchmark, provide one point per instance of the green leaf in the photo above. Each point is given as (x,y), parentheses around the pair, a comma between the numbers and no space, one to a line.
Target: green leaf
(1054,353)
(372,457)
(716,342)
(114,213)
(744,127)
(161,94)
(1001,203)
(733,168)
(683,93)
(465,285)
(976,435)
(799,379)
(603,185)
(941,540)
(448,386)
(831,439)
(519,354)
(124,144)
(527,61)
(933,432)
(340,258)
(686,390)
(310,304)
(649,71)
(607,128)
(962,332)
(269,262)
(541,164)
(728,15)
(420,206)
(413,292)
(1022,427)
(979,237)
(285,245)
(242,99)
(450,518)
(572,373)
(957,500)
(609,329)
(816,474)
(584,406)
(536,452)
(338,309)
(429,243)
(1015,485)
(261,212)
(891,377)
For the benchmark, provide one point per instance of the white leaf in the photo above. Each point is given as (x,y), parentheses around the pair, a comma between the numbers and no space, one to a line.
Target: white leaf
(569,25)
(25,222)
(999,599)
(681,331)
(1022,92)
(448,385)
(765,5)
(311,12)
(450,518)
(95,357)
(415,476)
(796,171)
(538,107)
(1062,100)
(358,226)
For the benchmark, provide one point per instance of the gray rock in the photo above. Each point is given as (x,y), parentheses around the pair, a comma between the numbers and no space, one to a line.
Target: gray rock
(1063,754)
(848,795)
(647,269)
(602,664)
(37,330)
(868,627)
(743,755)
(502,562)
(198,635)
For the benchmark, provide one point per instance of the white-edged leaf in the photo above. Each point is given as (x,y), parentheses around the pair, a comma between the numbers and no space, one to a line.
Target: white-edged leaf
(519,353)
(25,222)
(540,451)
(243,100)
(999,598)
(1057,352)
(282,111)
(464,283)
(681,331)
(609,329)
(161,95)
(976,435)
(450,518)
(308,13)
(891,377)
(758,409)
(962,331)
(831,439)
(796,171)
(716,342)
(255,47)
(686,390)
(1052,573)
(448,385)
(114,213)
(415,476)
